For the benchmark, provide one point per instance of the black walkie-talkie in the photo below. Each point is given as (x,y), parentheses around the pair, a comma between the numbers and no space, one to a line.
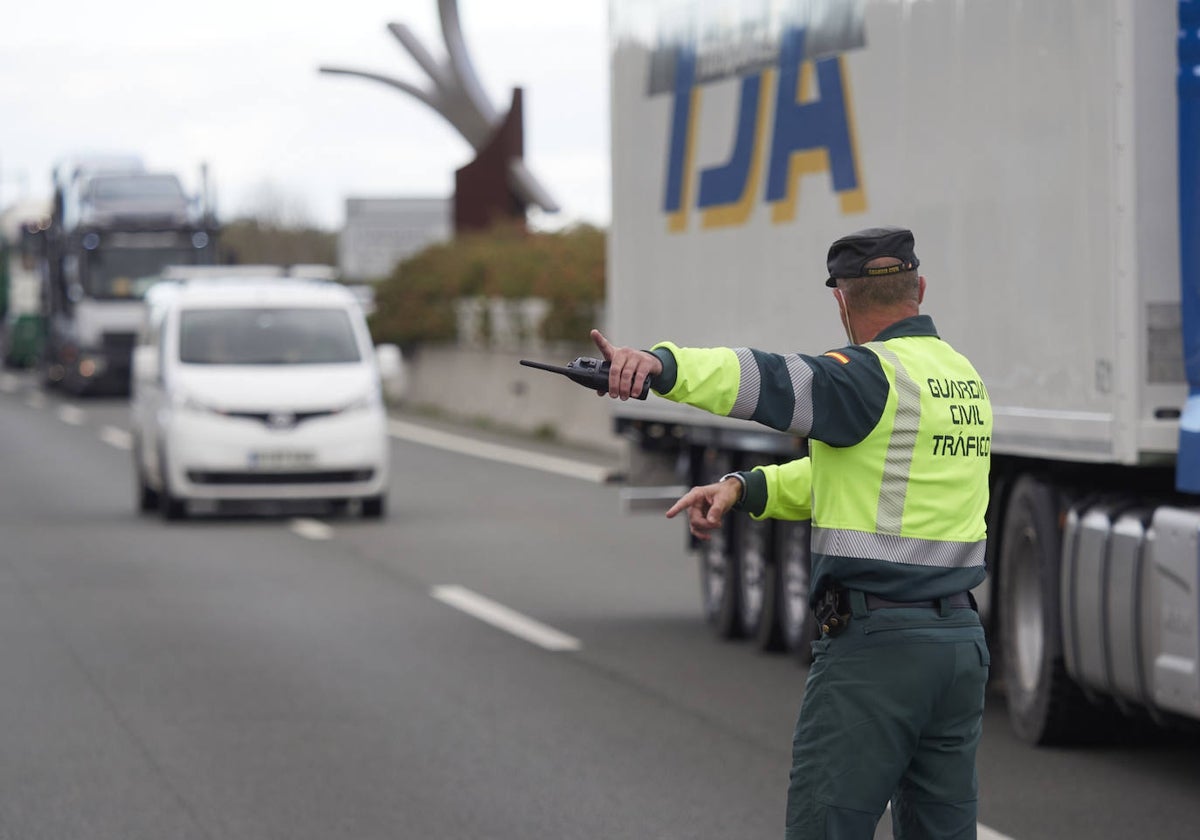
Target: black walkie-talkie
(588,372)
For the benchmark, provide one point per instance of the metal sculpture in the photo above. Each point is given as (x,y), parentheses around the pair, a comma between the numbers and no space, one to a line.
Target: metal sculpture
(498,139)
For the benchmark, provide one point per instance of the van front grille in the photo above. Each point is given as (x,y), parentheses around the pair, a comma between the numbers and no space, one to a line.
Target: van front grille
(281,419)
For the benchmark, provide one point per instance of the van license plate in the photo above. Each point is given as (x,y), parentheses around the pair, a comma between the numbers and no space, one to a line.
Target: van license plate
(281,459)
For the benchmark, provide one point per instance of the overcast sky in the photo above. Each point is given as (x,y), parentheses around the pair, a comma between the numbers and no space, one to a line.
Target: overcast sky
(234,83)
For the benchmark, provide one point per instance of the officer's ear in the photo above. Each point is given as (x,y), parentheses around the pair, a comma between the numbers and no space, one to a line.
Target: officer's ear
(920,288)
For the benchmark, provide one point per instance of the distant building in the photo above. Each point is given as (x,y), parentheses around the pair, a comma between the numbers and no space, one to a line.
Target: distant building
(380,232)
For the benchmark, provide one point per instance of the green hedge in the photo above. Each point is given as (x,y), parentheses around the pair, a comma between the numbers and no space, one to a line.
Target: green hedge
(416,302)
(253,242)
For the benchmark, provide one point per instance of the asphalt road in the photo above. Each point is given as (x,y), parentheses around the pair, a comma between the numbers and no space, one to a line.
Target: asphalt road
(290,675)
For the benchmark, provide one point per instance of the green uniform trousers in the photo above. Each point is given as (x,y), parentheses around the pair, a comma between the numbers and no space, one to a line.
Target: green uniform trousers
(893,710)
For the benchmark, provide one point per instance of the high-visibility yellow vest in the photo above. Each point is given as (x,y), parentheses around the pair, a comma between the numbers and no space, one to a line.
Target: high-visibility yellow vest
(916,489)
(898,506)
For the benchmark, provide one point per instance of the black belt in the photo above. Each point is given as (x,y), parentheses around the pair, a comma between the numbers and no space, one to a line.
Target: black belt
(959,600)
(834,609)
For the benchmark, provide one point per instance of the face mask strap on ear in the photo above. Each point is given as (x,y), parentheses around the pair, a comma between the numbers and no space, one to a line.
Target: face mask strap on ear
(845,313)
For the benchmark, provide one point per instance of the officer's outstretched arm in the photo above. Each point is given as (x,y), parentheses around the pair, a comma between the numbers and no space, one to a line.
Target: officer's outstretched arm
(707,505)
(788,489)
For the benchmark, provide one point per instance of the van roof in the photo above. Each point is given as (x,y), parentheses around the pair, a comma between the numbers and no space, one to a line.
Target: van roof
(238,289)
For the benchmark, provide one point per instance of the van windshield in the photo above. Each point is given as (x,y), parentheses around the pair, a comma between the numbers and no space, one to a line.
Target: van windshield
(260,336)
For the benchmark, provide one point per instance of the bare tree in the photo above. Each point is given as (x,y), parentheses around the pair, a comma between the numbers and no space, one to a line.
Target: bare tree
(273,205)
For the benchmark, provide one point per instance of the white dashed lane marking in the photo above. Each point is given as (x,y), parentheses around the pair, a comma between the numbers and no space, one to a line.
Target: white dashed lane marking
(504,618)
(311,529)
(496,452)
(71,415)
(118,438)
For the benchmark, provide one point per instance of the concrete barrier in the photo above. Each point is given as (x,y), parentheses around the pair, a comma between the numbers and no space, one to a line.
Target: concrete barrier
(491,387)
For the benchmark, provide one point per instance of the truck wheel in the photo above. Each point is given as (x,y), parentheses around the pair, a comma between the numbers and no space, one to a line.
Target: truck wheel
(719,586)
(1044,705)
(758,577)
(719,583)
(797,625)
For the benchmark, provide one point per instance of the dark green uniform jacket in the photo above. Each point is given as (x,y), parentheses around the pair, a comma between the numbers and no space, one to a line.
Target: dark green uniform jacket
(899,436)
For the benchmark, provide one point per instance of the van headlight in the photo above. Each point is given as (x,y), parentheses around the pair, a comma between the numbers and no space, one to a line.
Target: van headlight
(184,401)
(367,402)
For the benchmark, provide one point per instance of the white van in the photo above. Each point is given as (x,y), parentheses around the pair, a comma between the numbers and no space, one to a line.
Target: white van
(258,388)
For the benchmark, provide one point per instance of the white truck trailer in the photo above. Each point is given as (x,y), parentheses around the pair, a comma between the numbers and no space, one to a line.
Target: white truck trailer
(1047,156)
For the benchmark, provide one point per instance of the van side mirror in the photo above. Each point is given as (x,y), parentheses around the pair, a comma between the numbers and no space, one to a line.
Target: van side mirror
(390,361)
(145,363)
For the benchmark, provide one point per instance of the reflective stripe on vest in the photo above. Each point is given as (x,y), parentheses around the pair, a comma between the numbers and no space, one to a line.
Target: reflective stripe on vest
(897,463)
(896,549)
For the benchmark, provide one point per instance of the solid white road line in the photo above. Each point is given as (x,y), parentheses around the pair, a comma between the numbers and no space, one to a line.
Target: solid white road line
(311,529)
(982,831)
(71,415)
(505,619)
(496,452)
(118,438)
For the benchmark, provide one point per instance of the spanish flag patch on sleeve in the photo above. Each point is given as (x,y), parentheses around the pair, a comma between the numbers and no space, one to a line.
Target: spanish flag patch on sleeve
(841,357)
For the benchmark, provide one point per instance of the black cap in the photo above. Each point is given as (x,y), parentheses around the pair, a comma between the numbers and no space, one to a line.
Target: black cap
(848,257)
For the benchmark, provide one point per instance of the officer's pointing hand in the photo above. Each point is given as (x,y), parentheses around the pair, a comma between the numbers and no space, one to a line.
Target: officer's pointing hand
(706,506)
(628,368)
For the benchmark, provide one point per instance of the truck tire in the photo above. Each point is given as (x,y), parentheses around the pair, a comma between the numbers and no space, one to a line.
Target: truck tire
(1044,705)
(758,577)
(719,584)
(798,626)
(719,587)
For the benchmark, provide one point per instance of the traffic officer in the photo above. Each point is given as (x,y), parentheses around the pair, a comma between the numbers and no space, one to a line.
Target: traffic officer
(899,428)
